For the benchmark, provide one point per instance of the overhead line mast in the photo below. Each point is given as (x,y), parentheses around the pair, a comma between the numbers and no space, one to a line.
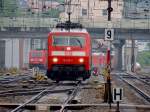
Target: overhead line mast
(109,9)
(108,93)
(68,24)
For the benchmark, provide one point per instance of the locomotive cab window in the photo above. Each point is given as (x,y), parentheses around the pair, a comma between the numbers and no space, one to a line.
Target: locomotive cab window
(59,41)
(68,41)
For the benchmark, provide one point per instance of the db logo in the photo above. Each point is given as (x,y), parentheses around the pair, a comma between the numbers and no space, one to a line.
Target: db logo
(68,53)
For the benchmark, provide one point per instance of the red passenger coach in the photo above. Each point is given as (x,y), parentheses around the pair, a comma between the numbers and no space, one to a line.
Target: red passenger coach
(98,59)
(98,62)
(37,58)
(69,54)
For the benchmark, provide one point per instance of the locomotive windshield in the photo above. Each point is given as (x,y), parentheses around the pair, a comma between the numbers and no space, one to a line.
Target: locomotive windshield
(68,41)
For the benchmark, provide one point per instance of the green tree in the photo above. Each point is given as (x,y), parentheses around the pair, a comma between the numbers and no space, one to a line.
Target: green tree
(144,58)
(148,45)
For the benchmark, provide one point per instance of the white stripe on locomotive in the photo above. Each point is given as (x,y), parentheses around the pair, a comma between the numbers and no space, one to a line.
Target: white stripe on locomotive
(72,53)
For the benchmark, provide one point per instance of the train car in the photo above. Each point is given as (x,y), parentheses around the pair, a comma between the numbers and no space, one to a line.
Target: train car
(69,53)
(98,62)
(38,58)
(98,59)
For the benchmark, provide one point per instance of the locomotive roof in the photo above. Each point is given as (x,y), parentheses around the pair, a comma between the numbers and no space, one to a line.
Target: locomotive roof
(69,26)
(83,30)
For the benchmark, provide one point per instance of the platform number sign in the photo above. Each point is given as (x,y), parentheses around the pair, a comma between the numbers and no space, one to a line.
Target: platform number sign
(109,34)
(117,94)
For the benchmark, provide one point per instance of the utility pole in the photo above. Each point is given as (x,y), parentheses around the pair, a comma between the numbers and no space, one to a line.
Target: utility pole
(69,4)
(133,56)
(109,9)
(69,10)
(88,8)
(108,93)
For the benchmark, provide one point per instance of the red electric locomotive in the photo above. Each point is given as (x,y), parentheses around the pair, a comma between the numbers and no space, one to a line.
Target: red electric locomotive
(37,58)
(69,53)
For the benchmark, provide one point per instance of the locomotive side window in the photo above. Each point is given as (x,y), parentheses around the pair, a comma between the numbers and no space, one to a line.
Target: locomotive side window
(68,41)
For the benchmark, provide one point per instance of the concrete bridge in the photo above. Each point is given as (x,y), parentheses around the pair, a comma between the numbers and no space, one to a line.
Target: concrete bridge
(39,27)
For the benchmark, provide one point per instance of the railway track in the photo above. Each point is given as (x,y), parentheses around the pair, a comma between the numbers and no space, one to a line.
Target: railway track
(10,79)
(30,92)
(139,78)
(127,79)
(65,104)
(70,97)
(71,93)
(35,98)
(78,107)
(26,75)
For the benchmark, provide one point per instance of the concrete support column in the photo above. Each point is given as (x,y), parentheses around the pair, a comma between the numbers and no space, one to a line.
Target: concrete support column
(21,44)
(118,44)
(2,53)
(26,49)
(133,56)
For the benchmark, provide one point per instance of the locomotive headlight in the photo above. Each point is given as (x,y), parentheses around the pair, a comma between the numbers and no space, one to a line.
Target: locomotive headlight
(81,60)
(55,60)
(68,48)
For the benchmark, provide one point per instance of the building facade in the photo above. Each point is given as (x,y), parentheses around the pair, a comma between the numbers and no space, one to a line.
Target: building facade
(94,10)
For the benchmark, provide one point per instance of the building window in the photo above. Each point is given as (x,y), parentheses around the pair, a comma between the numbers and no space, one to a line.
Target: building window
(104,11)
(84,12)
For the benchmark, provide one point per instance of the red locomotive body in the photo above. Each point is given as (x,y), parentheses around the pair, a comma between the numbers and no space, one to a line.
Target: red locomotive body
(69,54)
(37,58)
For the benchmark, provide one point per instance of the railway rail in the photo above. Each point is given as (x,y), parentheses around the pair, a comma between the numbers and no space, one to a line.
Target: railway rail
(31,92)
(37,89)
(42,95)
(32,106)
(137,89)
(139,78)
(70,97)
(10,79)
(71,94)
(35,98)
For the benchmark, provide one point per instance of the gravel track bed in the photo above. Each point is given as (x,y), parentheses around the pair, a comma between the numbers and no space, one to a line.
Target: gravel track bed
(98,109)
(15,99)
(130,96)
(88,96)
(145,88)
(94,95)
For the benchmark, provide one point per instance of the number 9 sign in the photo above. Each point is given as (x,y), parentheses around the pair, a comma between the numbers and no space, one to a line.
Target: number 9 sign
(109,34)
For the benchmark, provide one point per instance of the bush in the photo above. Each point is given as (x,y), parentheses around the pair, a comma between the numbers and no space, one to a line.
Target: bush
(144,58)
